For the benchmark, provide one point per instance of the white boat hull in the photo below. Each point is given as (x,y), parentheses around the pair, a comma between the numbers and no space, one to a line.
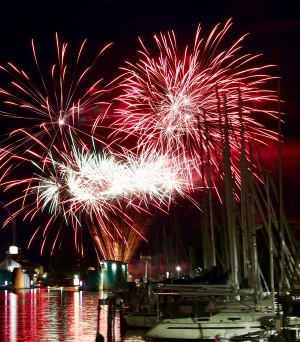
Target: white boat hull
(220,324)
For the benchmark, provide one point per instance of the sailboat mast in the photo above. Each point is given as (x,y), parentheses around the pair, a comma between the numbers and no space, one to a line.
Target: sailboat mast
(245,219)
(210,204)
(271,248)
(281,227)
(229,197)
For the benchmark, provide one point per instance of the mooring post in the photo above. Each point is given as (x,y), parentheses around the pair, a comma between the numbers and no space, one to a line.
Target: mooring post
(111,316)
(99,337)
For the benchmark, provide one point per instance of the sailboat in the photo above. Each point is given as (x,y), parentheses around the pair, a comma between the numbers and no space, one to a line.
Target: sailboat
(216,314)
(200,319)
(249,307)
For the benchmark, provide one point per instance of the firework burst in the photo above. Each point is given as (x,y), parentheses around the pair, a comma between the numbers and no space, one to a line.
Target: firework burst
(100,190)
(177,108)
(51,113)
(171,104)
(53,117)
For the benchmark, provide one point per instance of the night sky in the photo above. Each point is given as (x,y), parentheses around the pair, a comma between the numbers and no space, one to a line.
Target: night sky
(273,27)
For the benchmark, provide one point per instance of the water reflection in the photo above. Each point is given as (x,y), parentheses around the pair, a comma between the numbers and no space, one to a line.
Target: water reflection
(57,314)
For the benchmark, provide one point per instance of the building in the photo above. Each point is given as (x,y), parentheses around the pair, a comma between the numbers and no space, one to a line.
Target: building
(17,272)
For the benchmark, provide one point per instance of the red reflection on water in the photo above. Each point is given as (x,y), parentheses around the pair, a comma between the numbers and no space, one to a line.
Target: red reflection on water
(53,315)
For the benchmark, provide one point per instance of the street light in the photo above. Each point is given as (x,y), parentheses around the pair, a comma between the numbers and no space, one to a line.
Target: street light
(178,269)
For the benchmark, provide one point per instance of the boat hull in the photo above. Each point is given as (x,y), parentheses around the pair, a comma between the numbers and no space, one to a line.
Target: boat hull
(221,324)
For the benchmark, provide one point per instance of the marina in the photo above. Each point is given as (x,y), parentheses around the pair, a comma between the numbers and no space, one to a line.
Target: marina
(68,314)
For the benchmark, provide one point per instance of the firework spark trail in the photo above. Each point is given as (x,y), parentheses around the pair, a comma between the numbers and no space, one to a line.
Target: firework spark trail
(68,191)
(54,113)
(158,178)
(99,186)
(170,104)
(105,179)
(52,117)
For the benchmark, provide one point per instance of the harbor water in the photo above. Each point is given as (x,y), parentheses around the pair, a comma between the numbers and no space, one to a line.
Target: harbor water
(59,315)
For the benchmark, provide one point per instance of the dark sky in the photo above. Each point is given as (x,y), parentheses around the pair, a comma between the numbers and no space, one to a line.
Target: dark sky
(274,28)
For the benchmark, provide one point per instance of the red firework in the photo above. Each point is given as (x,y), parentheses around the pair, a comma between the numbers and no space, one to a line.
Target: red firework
(55,111)
(179,103)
